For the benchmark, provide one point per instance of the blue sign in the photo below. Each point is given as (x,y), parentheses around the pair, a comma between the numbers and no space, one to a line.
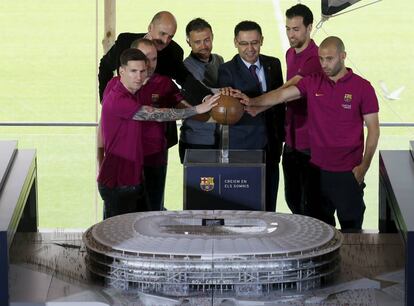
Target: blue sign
(221,187)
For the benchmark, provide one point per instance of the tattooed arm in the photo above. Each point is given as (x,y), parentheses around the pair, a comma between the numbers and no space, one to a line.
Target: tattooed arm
(149,113)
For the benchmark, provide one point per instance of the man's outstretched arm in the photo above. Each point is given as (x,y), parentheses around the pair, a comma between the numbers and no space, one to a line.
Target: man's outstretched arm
(254,111)
(273,97)
(149,113)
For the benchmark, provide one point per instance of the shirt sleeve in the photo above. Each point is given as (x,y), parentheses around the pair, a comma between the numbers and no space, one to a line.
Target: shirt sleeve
(302,86)
(125,107)
(369,100)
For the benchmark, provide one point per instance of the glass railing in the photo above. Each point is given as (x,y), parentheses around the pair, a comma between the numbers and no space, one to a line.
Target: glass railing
(67,173)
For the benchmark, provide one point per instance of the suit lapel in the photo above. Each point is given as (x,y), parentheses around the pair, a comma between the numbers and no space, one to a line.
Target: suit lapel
(244,71)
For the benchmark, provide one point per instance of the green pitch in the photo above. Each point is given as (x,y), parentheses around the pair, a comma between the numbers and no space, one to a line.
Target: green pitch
(49,66)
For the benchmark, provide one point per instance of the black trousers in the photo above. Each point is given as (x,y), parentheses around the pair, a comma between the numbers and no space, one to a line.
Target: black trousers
(272,185)
(123,200)
(154,177)
(341,192)
(302,192)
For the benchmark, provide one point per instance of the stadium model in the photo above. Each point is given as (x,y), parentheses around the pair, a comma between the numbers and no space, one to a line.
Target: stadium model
(247,253)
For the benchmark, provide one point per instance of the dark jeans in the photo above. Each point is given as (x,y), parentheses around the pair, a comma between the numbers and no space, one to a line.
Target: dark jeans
(154,177)
(182,146)
(341,192)
(302,192)
(123,200)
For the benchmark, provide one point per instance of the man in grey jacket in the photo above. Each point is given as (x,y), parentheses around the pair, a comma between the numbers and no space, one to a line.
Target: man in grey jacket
(203,65)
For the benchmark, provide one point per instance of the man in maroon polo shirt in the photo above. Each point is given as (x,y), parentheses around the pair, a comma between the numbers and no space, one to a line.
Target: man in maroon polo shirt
(160,91)
(120,174)
(301,60)
(339,103)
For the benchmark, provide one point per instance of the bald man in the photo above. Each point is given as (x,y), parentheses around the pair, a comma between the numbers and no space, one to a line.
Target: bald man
(161,31)
(339,103)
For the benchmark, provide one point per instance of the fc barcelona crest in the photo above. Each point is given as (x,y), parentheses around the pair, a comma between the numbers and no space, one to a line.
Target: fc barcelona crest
(207,183)
(348,98)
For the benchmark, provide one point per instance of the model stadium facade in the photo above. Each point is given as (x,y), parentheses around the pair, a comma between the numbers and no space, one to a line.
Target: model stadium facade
(194,252)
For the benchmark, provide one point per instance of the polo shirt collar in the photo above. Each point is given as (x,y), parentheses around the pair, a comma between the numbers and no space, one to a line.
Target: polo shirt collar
(309,48)
(346,77)
(122,89)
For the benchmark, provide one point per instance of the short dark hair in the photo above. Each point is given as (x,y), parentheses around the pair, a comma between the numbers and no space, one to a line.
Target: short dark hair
(144,41)
(247,25)
(300,10)
(132,54)
(197,24)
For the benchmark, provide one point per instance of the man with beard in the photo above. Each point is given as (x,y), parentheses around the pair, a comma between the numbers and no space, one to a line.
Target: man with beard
(161,31)
(170,55)
(203,64)
(124,106)
(162,92)
(301,60)
(339,103)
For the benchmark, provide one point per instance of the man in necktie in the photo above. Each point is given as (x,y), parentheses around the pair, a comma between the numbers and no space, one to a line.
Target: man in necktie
(254,74)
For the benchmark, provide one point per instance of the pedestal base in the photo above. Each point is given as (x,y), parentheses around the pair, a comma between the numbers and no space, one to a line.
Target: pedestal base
(237,185)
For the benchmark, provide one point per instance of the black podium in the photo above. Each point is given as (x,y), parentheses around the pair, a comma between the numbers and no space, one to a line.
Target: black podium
(396,209)
(18,203)
(237,184)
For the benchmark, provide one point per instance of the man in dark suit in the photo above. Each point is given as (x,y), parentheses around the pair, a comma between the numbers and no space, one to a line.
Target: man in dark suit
(161,31)
(254,74)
